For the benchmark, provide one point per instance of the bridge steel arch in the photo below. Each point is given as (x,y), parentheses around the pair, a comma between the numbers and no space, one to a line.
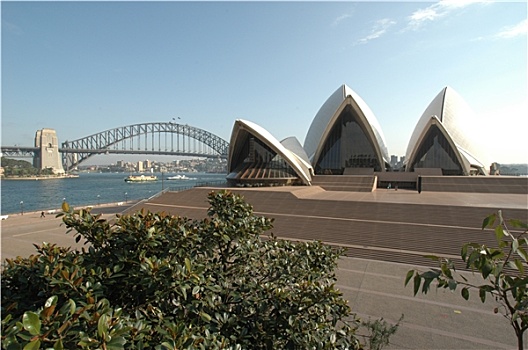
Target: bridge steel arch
(159,138)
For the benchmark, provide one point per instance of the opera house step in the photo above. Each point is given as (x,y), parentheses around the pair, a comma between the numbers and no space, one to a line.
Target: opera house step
(350,183)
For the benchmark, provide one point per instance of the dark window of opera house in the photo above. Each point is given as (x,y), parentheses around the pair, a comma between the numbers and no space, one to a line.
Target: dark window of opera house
(254,154)
(347,146)
(435,152)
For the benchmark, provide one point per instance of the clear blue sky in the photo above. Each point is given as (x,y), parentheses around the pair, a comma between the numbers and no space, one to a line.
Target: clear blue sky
(85,67)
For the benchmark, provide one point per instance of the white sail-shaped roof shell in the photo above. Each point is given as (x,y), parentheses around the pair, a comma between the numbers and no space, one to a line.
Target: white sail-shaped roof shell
(301,168)
(293,145)
(329,114)
(453,116)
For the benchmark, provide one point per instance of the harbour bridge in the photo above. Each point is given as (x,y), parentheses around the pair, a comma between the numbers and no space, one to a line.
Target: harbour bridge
(157,138)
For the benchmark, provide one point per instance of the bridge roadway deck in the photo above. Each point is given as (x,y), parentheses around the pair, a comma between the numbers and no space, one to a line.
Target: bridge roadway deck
(386,233)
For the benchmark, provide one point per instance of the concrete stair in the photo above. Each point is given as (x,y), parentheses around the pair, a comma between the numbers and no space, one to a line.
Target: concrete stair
(351,183)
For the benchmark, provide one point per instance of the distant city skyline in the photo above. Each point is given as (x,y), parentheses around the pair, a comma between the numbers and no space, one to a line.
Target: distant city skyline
(85,67)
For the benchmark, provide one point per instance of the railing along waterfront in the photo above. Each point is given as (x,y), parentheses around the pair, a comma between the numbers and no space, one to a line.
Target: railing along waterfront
(221,183)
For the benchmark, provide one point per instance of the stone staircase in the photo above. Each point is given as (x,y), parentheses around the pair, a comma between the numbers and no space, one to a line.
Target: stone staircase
(350,183)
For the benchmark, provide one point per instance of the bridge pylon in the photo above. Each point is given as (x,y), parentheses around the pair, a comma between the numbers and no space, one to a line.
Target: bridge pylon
(48,156)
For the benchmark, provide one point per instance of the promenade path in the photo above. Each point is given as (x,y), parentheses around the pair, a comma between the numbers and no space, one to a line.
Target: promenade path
(386,233)
(20,232)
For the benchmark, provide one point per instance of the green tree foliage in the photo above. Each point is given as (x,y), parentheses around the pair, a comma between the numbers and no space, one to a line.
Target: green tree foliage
(150,280)
(379,332)
(503,269)
(15,167)
(15,163)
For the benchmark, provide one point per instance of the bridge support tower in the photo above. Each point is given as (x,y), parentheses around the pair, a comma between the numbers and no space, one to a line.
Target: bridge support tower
(48,157)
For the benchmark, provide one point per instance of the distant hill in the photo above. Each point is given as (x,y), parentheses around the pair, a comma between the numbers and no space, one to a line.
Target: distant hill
(15,163)
(513,169)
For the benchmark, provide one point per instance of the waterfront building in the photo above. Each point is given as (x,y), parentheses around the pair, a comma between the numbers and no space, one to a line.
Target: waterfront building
(345,136)
(257,158)
(444,138)
(345,139)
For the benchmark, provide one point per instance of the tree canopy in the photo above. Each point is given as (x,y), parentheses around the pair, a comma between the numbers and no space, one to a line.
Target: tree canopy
(17,167)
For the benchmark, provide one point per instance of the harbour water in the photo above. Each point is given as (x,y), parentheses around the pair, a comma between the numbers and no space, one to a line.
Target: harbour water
(88,189)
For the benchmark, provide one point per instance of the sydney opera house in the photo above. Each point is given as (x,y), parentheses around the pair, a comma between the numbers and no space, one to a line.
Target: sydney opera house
(348,196)
(345,139)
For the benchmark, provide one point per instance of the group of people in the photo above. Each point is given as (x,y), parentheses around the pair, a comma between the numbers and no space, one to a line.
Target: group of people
(390,186)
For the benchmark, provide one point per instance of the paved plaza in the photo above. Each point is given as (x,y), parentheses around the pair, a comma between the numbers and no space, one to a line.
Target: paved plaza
(387,232)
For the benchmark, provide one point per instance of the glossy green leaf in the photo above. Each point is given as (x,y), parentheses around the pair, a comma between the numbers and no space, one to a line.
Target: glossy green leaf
(486,269)
(410,273)
(417,280)
(463,251)
(519,265)
(169,346)
(489,221)
(188,265)
(116,343)
(31,322)
(58,345)
(521,282)
(518,224)
(51,301)
(426,284)
(49,307)
(102,326)
(515,245)
(522,253)
(205,317)
(196,290)
(33,345)
(72,305)
(499,233)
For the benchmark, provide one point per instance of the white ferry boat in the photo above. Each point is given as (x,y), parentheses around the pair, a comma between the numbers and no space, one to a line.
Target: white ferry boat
(180,177)
(141,178)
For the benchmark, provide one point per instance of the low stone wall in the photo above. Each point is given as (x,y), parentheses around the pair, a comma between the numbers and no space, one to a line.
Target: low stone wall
(476,184)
